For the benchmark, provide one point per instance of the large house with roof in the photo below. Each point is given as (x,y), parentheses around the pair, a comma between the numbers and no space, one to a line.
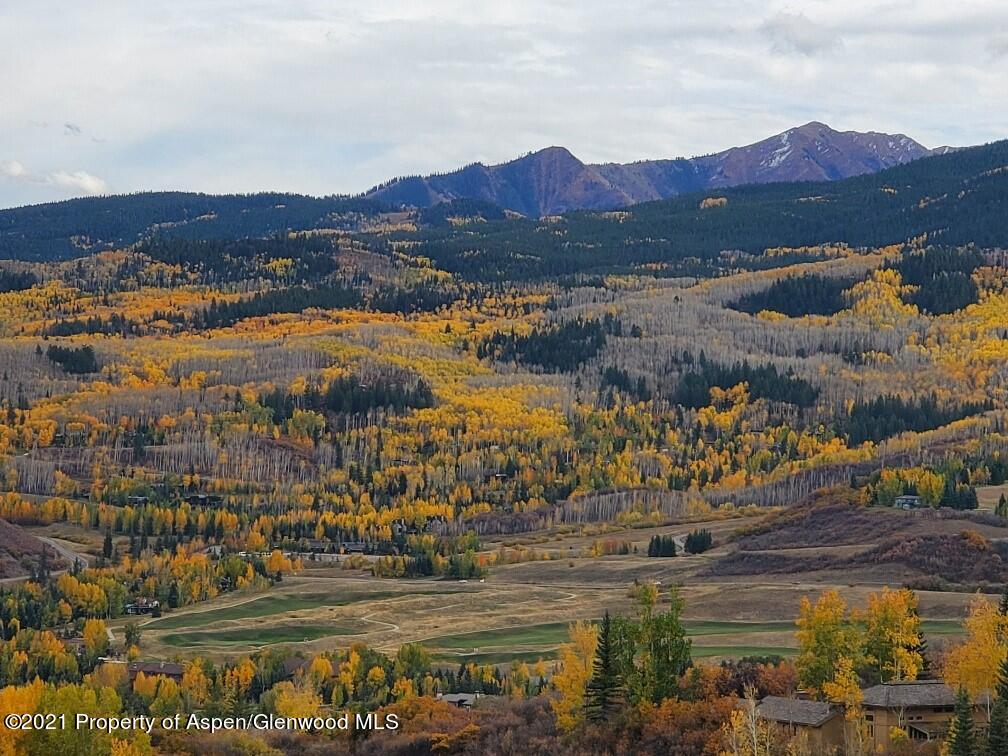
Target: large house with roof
(921,708)
(822,722)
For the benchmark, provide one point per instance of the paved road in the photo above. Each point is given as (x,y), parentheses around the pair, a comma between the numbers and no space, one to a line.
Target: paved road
(63,551)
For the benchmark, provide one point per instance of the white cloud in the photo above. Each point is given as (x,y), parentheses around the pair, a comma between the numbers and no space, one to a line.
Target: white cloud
(997,46)
(321,97)
(81,181)
(76,182)
(797,33)
(13,169)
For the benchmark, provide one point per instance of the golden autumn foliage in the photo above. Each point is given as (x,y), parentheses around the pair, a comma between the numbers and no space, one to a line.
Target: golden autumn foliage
(576,661)
(975,663)
(827,636)
(893,634)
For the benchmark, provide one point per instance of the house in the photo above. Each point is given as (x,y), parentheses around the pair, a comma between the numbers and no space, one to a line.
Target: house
(316,545)
(293,666)
(908,502)
(153,669)
(822,722)
(923,708)
(143,605)
(460,700)
(75,645)
(203,500)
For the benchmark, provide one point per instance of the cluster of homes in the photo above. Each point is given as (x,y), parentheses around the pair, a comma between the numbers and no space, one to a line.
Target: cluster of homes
(921,708)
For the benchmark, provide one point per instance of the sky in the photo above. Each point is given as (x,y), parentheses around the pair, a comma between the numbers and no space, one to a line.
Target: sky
(102,96)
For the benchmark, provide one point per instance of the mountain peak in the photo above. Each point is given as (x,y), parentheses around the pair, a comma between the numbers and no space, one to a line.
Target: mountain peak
(814,126)
(553,151)
(552,180)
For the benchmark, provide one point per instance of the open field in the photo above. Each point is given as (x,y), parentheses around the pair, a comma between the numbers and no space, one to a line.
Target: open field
(253,637)
(258,608)
(988,496)
(573,541)
(541,641)
(522,611)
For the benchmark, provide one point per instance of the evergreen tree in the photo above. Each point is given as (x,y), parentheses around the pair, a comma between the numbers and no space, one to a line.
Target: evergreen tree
(926,672)
(699,541)
(107,545)
(962,739)
(604,691)
(997,733)
(661,546)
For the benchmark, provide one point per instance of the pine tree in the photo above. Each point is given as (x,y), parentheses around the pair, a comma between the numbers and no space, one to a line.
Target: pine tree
(605,690)
(107,545)
(652,549)
(997,733)
(962,739)
(926,672)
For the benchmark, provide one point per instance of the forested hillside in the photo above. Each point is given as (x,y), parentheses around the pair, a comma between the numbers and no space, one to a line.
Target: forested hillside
(80,226)
(952,199)
(405,405)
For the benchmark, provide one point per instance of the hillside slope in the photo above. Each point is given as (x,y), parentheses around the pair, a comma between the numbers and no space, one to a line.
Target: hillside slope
(21,553)
(77,227)
(553,181)
(957,198)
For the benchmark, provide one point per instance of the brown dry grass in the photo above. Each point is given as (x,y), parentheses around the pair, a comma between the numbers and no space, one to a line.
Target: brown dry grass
(388,613)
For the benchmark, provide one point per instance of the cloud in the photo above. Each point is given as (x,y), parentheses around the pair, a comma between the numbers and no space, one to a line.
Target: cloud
(75,182)
(79,181)
(997,46)
(71,129)
(323,97)
(14,170)
(797,33)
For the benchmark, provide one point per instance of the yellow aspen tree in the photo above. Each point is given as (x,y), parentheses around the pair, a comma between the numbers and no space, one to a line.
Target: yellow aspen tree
(975,664)
(892,635)
(826,634)
(576,662)
(297,700)
(845,689)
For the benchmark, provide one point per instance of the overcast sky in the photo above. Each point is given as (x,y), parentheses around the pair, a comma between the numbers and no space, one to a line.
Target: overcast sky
(332,97)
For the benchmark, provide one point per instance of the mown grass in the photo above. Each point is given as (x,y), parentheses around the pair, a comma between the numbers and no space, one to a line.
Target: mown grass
(496,657)
(545,638)
(554,633)
(265,636)
(548,654)
(942,627)
(547,634)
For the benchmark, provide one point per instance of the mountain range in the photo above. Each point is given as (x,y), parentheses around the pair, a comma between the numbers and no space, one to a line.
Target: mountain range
(544,183)
(553,181)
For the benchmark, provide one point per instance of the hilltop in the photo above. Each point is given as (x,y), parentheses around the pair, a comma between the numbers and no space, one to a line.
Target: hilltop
(553,180)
